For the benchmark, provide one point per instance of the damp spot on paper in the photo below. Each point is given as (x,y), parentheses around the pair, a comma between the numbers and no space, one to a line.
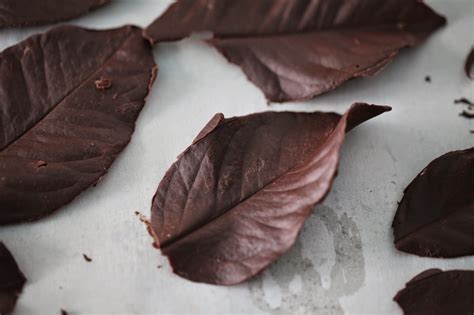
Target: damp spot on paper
(298,283)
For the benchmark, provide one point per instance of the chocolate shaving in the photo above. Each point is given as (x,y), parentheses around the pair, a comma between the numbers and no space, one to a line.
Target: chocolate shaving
(463,101)
(86,258)
(18,13)
(63,312)
(469,64)
(436,215)
(12,281)
(298,49)
(467,114)
(436,292)
(54,113)
(265,172)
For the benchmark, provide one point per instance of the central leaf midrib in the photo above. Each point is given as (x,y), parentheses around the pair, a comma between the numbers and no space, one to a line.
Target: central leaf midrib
(256,35)
(72,91)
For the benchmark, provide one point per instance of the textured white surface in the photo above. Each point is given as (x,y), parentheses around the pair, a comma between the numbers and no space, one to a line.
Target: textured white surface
(344,261)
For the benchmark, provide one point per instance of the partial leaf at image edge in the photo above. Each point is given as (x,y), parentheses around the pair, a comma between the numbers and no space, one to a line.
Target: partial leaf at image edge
(24,13)
(436,215)
(61,126)
(438,292)
(298,49)
(12,280)
(236,199)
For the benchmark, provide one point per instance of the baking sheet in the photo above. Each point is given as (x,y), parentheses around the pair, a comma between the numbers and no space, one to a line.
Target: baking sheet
(344,261)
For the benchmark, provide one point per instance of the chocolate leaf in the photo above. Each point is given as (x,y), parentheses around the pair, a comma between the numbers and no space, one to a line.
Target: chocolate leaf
(11,281)
(436,292)
(16,13)
(236,199)
(469,64)
(60,129)
(436,215)
(297,49)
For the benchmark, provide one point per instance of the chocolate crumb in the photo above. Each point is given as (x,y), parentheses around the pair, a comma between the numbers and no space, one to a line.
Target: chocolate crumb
(87,258)
(464,101)
(160,266)
(467,114)
(103,84)
(63,312)
(428,79)
(149,229)
(41,164)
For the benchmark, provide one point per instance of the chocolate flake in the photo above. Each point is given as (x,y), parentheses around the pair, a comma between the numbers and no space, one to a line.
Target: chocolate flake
(463,101)
(63,312)
(265,172)
(86,258)
(428,79)
(467,114)
(469,64)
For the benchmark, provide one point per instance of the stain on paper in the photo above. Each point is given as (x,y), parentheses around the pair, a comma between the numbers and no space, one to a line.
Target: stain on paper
(325,264)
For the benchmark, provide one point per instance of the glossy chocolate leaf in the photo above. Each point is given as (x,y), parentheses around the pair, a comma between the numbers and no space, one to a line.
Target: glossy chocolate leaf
(16,13)
(436,292)
(237,197)
(11,281)
(69,100)
(469,64)
(436,215)
(297,49)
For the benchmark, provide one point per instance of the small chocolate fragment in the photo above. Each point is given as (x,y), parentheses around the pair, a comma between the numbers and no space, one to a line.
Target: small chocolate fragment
(428,79)
(12,281)
(463,101)
(265,172)
(63,312)
(436,292)
(86,258)
(469,64)
(103,84)
(436,215)
(18,13)
(467,114)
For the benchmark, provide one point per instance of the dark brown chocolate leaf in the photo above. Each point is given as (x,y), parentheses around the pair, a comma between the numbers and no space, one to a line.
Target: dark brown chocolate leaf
(16,13)
(11,281)
(237,197)
(469,64)
(436,215)
(436,292)
(297,49)
(59,133)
